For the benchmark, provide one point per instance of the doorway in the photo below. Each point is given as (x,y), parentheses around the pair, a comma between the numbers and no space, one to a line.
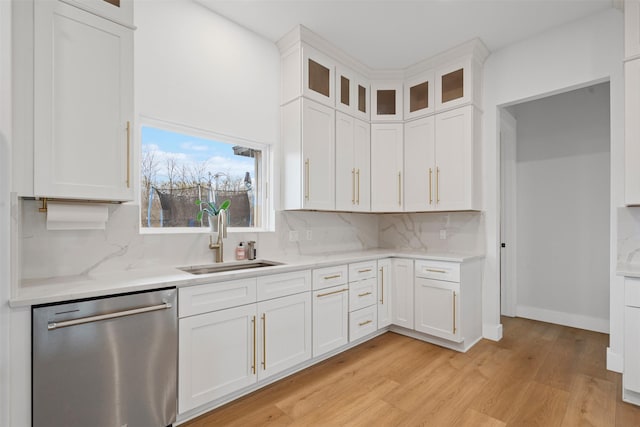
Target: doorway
(555,208)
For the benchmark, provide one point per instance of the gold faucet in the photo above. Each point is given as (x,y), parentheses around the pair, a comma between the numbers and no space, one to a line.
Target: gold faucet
(222,233)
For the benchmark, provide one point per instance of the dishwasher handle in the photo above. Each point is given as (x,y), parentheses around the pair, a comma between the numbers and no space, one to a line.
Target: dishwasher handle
(57,325)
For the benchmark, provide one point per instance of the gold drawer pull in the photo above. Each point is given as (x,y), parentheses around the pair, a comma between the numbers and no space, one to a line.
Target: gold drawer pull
(331,293)
(253,367)
(454,314)
(434,270)
(365,323)
(335,276)
(264,341)
(365,294)
(128,154)
(382,285)
(364,271)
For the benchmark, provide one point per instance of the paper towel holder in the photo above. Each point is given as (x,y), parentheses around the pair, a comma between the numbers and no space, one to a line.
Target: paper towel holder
(45,200)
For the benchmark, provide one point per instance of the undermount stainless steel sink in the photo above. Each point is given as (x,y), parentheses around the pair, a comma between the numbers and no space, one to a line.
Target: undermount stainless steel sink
(218,268)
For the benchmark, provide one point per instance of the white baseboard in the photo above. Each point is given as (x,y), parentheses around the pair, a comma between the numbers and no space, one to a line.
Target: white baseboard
(566,319)
(615,361)
(492,332)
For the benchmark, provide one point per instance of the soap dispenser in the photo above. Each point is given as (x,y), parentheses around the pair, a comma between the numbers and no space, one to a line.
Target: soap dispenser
(240,252)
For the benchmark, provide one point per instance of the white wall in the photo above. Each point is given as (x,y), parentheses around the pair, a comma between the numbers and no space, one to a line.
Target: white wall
(562,221)
(574,55)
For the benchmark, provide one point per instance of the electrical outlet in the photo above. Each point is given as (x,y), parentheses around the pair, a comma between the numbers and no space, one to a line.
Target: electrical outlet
(309,235)
(443,234)
(293,236)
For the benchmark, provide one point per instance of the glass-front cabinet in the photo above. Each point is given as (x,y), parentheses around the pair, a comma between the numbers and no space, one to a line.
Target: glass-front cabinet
(386,100)
(318,73)
(419,96)
(118,11)
(454,84)
(352,93)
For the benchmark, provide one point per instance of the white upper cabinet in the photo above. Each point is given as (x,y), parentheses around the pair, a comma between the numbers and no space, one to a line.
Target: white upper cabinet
(419,96)
(307,72)
(632,132)
(457,178)
(419,165)
(83,83)
(118,11)
(386,100)
(308,136)
(353,156)
(352,93)
(631,28)
(386,167)
(457,83)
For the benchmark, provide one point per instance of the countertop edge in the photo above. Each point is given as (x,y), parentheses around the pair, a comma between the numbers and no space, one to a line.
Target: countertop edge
(81,287)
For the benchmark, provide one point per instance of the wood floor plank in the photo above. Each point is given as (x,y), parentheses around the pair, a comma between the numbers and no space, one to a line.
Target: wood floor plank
(538,375)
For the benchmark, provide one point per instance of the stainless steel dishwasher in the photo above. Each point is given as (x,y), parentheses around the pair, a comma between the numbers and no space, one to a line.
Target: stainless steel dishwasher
(106,362)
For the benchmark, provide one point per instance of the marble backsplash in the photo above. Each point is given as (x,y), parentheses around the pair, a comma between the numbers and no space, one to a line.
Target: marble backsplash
(464,232)
(629,235)
(122,247)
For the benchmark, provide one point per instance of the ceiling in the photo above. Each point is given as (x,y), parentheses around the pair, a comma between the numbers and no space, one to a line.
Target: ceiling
(396,34)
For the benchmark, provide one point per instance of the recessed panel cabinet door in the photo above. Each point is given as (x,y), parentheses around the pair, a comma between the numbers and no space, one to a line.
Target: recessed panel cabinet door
(318,148)
(386,167)
(217,355)
(453,175)
(419,165)
(330,319)
(384,293)
(83,105)
(437,309)
(285,333)
(402,293)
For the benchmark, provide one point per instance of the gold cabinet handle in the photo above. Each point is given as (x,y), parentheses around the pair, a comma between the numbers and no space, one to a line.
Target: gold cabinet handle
(264,341)
(382,285)
(331,293)
(353,186)
(253,366)
(430,192)
(366,270)
(128,154)
(365,323)
(358,187)
(399,188)
(454,313)
(437,185)
(435,270)
(364,294)
(335,276)
(307,173)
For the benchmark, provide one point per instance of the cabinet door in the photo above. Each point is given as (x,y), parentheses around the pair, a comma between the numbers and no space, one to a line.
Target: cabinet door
(437,308)
(318,148)
(419,96)
(631,28)
(362,165)
(402,292)
(386,167)
(386,101)
(330,319)
(119,11)
(631,377)
(217,355)
(384,293)
(318,73)
(454,159)
(345,163)
(419,164)
(83,89)
(285,333)
(453,85)
(632,132)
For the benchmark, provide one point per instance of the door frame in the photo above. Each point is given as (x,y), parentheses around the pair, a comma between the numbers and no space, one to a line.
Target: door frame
(508,213)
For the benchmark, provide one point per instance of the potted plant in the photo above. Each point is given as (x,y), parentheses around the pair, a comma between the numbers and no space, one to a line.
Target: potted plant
(211,210)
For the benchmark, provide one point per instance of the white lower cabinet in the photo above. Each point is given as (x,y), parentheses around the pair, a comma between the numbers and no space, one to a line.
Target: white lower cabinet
(217,355)
(285,333)
(363,322)
(402,293)
(631,372)
(437,308)
(384,293)
(330,319)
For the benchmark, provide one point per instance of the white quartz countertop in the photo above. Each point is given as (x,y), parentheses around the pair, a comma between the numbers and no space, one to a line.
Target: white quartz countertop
(57,289)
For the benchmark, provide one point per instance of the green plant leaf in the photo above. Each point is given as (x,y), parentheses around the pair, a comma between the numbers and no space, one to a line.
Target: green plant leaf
(199,216)
(225,204)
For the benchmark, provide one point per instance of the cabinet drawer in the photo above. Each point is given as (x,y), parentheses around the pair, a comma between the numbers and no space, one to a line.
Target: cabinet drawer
(363,322)
(362,294)
(362,270)
(439,270)
(280,285)
(329,276)
(215,296)
(632,292)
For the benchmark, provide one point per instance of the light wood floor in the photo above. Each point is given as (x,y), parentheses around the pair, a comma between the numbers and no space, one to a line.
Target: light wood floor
(538,375)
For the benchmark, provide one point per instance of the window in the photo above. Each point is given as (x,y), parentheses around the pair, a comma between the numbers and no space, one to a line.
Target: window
(179,168)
